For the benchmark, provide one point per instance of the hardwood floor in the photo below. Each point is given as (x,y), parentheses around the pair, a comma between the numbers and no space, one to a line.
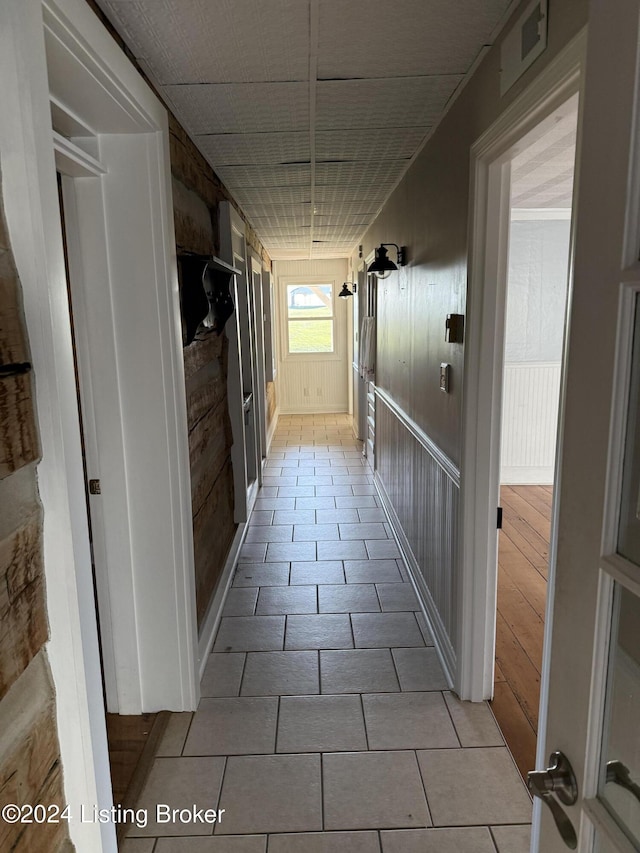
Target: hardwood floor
(523,554)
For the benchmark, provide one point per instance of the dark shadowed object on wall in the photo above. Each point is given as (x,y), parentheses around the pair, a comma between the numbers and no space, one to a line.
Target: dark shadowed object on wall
(205,294)
(345,289)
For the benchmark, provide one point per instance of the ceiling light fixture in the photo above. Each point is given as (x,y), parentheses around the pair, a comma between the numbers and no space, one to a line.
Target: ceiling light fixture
(345,289)
(383,265)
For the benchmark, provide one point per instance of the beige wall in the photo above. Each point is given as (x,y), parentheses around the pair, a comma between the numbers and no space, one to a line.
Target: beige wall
(428,213)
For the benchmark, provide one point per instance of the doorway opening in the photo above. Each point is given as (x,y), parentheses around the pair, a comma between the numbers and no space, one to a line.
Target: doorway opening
(540,172)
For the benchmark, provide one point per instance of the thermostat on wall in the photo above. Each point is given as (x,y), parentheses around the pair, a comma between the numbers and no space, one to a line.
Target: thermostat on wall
(523,44)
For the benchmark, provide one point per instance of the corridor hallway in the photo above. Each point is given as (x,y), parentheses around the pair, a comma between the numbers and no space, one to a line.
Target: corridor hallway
(325,723)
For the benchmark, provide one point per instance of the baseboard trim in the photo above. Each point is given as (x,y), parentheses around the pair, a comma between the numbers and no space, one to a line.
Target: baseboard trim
(443,646)
(214,611)
(331,409)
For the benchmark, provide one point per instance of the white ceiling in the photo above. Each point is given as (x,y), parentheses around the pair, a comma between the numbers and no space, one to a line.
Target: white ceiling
(310,111)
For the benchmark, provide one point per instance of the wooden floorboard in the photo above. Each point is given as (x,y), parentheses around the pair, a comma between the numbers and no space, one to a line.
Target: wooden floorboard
(523,555)
(126,736)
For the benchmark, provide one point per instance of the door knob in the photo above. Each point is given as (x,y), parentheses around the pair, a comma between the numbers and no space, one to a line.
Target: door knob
(558,780)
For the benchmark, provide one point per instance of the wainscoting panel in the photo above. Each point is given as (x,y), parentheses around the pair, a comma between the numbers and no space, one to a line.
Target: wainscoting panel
(421,488)
(530,396)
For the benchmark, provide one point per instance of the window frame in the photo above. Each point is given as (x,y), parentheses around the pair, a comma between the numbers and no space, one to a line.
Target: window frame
(306,281)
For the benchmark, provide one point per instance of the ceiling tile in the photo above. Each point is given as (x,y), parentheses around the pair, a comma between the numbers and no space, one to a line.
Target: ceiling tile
(392,102)
(240,107)
(357,172)
(278,195)
(229,41)
(373,38)
(237,149)
(382,144)
(265,176)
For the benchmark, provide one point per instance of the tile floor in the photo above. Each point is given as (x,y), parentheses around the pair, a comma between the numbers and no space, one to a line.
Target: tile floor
(326,723)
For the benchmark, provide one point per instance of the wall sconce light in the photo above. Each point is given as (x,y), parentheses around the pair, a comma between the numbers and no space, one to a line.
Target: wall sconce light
(383,265)
(345,289)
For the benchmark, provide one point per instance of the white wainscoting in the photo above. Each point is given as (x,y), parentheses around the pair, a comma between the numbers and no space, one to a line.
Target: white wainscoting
(420,487)
(530,396)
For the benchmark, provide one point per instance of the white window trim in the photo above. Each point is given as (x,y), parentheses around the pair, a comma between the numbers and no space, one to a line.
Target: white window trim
(302,281)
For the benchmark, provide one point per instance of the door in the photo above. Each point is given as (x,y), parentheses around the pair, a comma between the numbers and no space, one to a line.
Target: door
(593,659)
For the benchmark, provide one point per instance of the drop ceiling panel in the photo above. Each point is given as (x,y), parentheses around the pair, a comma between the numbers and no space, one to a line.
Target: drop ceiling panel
(359,172)
(364,195)
(353,207)
(265,176)
(381,144)
(237,149)
(241,107)
(375,38)
(229,41)
(393,102)
(278,195)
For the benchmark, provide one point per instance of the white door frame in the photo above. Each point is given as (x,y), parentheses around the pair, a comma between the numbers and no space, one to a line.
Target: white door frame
(161,670)
(480,470)
(257,341)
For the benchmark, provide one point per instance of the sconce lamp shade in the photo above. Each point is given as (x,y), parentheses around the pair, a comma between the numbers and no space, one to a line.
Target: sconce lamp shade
(383,265)
(345,290)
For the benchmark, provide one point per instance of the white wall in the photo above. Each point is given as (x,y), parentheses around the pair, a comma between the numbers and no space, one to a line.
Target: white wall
(313,383)
(536,300)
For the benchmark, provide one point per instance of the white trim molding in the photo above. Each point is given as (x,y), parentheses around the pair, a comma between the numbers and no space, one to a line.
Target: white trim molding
(489,216)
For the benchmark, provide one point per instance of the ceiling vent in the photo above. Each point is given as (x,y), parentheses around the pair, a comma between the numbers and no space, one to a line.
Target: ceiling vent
(523,44)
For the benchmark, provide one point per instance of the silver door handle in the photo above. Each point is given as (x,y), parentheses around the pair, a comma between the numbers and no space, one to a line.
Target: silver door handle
(558,780)
(618,773)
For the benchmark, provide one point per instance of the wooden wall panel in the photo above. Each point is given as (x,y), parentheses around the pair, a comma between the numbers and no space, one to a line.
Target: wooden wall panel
(272,402)
(425,499)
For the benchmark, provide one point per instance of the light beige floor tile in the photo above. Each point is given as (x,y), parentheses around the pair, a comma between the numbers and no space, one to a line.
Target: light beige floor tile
(382,549)
(280,674)
(357,671)
(325,631)
(250,634)
(363,530)
(262,574)
(315,532)
(261,516)
(372,571)
(474,722)
(320,724)
(408,721)
(371,514)
(174,735)
(278,481)
(468,787)
(333,491)
(348,598)
(512,839)
(352,550)
(180,783)
(290,551)
(355,479)
(234,726)
(458,840)
(362,489)
(313,481)
(302,489)
(370,790)
(222,844)
(319,572)
(240,601)
(287,599)
(295,516)
(253,552)
(357,500)
(315,503)
(275,503)
(382,630)
(222,675)
(336,516)
(325,842)
(397,597)
(138,845)
(419,669)
(271,793)
(274,533)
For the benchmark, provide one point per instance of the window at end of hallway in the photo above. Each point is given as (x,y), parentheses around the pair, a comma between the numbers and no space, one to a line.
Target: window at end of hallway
(310,318)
